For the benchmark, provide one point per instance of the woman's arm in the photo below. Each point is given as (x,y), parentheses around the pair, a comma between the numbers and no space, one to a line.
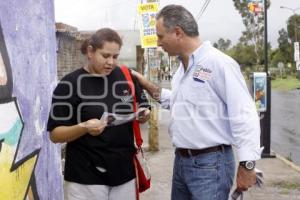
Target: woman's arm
(63,134)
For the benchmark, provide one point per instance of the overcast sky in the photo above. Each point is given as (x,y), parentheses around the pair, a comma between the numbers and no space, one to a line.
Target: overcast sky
(220,19)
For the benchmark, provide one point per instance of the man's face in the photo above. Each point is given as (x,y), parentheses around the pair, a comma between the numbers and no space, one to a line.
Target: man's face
(166,39)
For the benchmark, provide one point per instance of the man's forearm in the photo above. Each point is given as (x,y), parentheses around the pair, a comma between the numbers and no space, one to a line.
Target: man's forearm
(153,89)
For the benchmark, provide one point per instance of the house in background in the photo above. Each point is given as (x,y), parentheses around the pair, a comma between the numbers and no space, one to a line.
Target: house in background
(69,41)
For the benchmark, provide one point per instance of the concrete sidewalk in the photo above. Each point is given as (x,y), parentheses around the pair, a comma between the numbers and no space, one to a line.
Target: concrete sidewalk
(282,180)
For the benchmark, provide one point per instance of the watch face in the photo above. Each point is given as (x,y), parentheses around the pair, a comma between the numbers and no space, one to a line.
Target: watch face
(249,165)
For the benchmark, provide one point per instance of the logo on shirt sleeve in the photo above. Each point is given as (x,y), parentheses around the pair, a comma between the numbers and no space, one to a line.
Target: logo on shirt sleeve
(202,74)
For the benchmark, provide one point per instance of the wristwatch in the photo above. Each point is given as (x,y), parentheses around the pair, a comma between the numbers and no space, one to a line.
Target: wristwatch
(249,165)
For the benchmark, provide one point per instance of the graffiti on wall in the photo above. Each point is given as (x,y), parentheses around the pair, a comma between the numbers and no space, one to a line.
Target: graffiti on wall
(17,178)
(5,70)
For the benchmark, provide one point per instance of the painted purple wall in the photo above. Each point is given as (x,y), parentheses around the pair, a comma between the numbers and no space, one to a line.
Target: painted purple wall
(29,33)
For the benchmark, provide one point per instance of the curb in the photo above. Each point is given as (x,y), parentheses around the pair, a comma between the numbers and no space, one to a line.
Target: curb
(289,163)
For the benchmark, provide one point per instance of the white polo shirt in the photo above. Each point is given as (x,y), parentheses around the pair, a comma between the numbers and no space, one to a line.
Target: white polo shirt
(210,105)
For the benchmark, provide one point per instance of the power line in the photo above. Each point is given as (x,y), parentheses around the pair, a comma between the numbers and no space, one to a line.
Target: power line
(203,9)
(206,3)
(198,15)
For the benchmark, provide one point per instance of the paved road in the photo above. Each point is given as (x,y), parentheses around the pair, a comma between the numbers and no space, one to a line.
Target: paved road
(285,124)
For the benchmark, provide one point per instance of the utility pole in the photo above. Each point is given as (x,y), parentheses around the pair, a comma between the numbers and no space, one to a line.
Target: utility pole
(153,122)
(266,116)
(152,72)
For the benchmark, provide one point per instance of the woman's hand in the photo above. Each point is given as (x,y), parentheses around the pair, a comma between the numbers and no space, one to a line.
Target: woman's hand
(94,126)
(143,115)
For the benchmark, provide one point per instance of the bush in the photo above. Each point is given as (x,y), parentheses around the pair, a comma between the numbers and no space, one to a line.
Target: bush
(273,76)
(284,76)
(247,72)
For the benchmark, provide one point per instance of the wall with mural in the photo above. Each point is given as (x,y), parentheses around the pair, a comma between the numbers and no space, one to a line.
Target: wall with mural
(29,162)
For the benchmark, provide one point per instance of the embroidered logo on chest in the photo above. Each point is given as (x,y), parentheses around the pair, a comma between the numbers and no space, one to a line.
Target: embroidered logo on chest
(202,74)
(126,96)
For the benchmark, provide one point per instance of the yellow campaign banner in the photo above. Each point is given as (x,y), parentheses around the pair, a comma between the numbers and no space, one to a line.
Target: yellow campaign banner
(147,13)
(147,7)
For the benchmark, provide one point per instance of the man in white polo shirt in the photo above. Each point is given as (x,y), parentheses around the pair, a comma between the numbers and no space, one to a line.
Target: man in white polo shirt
(211,109)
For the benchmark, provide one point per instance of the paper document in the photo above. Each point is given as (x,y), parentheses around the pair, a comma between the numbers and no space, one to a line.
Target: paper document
(259,183)
(114,119)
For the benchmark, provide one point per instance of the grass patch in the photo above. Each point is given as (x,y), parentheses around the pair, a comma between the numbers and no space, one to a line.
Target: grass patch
(287,185)
(289,83)
(284,192)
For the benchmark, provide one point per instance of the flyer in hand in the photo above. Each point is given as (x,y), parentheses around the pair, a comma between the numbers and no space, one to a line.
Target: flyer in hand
(114,119)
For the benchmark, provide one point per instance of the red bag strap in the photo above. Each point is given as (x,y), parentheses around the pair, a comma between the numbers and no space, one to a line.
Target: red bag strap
(136,126)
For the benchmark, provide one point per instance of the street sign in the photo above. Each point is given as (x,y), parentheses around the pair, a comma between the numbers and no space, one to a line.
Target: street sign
(298,65)
(147,13)
(280,65)
(296,51)
(255,7)
(260,90)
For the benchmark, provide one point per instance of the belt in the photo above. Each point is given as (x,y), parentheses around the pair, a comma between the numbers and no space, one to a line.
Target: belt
(195,152)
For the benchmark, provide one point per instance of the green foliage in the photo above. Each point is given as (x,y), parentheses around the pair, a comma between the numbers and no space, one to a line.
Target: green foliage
(243,54)
(283,40)
(289,83)
(253,36)
(222,45)
(278,56)
(293,29)
(247,72)
(286,184)
(285,51)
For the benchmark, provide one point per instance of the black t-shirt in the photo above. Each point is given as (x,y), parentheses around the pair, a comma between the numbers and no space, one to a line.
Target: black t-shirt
(105,159)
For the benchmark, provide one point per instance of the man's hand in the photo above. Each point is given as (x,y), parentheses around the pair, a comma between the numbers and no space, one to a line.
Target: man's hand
(153,89)
(136,74)
(94,126)
(245,179)
(143,115)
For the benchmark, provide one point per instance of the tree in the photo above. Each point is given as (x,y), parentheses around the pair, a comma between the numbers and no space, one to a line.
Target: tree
(277,56)
(293,28)
(254,33)
(222,44)
(284,47)
(285,51)
(243,54)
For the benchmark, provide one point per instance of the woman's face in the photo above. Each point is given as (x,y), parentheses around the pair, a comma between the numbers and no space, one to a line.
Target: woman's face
(3,76)
(103,61)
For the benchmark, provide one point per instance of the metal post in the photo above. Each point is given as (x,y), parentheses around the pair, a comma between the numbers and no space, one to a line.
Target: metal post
(296,40)
(295,29)
(266,116)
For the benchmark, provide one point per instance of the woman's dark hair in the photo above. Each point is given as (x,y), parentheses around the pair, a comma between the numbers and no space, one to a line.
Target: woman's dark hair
(99,38)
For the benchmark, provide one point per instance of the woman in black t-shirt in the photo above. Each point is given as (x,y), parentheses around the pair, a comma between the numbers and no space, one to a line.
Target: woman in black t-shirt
(99,157)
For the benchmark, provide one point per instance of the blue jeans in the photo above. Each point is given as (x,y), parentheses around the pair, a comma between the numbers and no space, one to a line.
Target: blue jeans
(206,176)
